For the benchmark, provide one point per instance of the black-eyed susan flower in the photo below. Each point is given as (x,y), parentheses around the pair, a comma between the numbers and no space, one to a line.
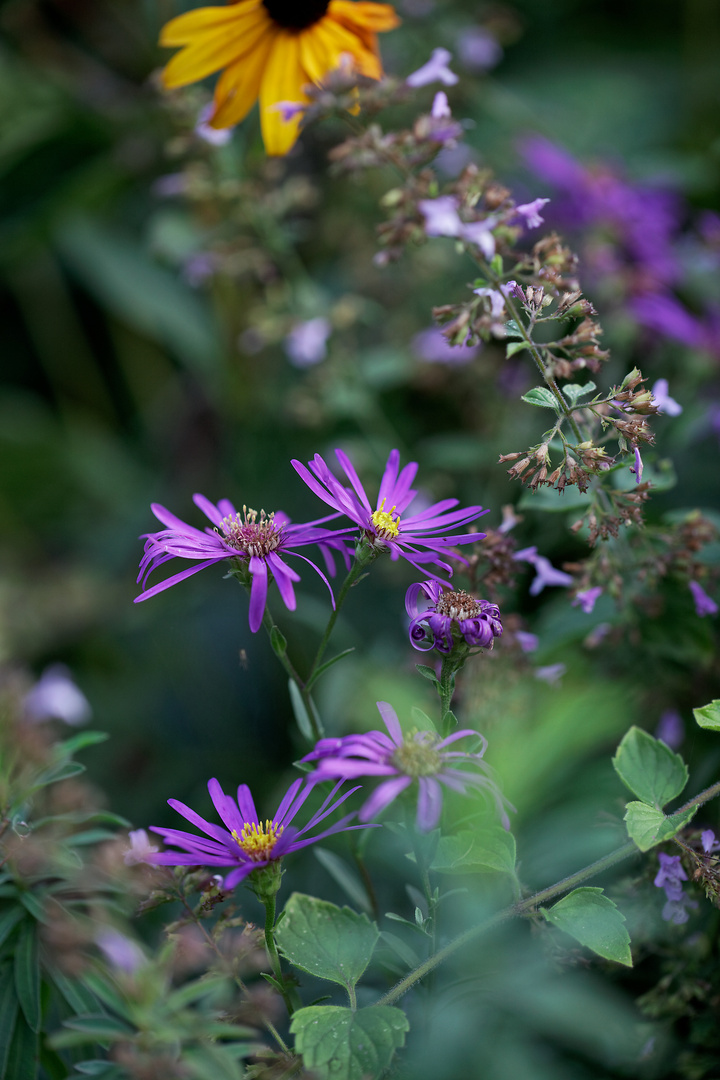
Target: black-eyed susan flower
(270,50)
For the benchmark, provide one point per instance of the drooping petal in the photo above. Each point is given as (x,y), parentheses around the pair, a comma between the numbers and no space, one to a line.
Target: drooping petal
(258,592)
(429,804)
(207,827)
(391,721)
(383,796)
(155,589)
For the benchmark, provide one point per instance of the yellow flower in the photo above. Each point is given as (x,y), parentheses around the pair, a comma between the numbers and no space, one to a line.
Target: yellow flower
(271,49)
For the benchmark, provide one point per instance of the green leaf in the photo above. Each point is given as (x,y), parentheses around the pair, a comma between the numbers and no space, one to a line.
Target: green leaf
(427,673)
(649,768)
(515,347)
(8,921)
(574,391)
(709,715)
(80,741)
(96,1027)
(542,397)
(62,771)
(104,1069)
(648,826)
(8,1013)
(194,991)
(594,920)
(338,1044)
(346,878)
(469,852)
(33,905)
(278,641)
(27,974)
(301,714)
(77,997)
(22,1061)
(512,330)
(327,941)
(328,664)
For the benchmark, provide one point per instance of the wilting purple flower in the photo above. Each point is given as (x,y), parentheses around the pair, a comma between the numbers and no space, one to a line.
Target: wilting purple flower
(528,642)
(432,346)
(670,729)
(531,212)
(387,527)
(441,216)
(638,470)
(477,49)
(261,542)
(704,604)
(709,843)
(452,616)
(497,301)
(306,344)
(587,598)
(662,399)
(550,673)
(56,697)
(546,574)
(247,843)
(122,952)
(421,756)
(214,136)
(140,848)
(436,70)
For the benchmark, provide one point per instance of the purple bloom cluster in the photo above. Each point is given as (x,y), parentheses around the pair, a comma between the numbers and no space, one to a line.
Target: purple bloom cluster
(404,759)
(670,877)
(451,617)
(247,843)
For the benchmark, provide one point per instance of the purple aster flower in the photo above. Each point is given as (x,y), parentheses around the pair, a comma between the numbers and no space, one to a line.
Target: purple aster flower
(247,843)
(587,598)
(528,642)
(306,344)
(531,212)
(670,729)
(56,697)
(550,673)
(388,527)
(261,542)
(709,843)
(452,616)
(662,399)
(436,70)
(420,756)
(432,346)
(704,604)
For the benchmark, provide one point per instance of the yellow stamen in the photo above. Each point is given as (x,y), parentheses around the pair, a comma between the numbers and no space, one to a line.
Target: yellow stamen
(384,522)
(258,841)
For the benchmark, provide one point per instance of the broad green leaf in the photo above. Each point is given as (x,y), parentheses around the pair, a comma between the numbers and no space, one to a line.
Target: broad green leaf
(339,1044)
(345,877)
(515,347)
(327,941)
(22,1061)
(512,330)
(709,715)
(594,920)
(8,921)
(539,395)
(27,974)
(574,391)
(470,852)
(648,826)
(427,673)
(8,1013)
(301,714)
(649,768)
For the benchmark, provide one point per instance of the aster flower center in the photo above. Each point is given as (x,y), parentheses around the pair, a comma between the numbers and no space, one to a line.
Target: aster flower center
(386,526)
(250,534)
(258,841)
(417,756)
(293,15)
(458,605)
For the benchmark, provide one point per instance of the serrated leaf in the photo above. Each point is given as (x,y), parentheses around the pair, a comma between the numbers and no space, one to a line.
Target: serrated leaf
(539,395)
(8,1013)
(515,347)
(594,920)
(574,391)
(327,941)
(709,715)
(345,877)
(649,768)
(470,852)
(339,1044)
(512,330)
(648,826)
(27,974)
(302,718)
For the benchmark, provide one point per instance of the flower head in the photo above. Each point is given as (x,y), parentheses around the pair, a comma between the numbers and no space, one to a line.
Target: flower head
(260,541)
(452,617)
(272,49)
(247,843)
(420,757)
(436,70)
(388,527)
(531,212)
(670,877)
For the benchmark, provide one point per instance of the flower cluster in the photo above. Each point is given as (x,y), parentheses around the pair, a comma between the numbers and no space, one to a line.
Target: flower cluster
(670,877)
(452,617)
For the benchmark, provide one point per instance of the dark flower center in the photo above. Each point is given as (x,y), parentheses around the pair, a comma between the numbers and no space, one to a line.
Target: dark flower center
(295,15)
(251,534)
(417,756)
(458,605)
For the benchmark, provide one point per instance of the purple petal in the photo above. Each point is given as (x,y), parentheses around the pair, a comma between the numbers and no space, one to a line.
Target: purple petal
(209,509)
(212,830)
(391,721)
(258,592)
(247,806)
(155,589)
(383,796)
(225,806)
(429,803)
(349,470)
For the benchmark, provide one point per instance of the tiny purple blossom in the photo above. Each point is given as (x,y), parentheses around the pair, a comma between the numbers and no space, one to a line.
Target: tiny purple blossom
(440,108)
(550,673)
(140,848)
(122,952)
(435,70)
(670,876)
(704,604)
(587,598)
(709,843)
(662,399)
(451,616)
(211,135)
(546,574)
(441,216)
(531,212)
(478,49)
(56,697)
(421,756)
(480,233)
(670,729)
(388,527)
(528,642)
(497,301)
(306,344)
(288,109)
(638,470)
(247,843)
(261,542)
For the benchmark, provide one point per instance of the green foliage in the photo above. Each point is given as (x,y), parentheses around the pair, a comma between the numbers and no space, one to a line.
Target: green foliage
(649,768)
(340,1044)
(542,397)
(709,716)
(648,826)
(473,852)
(593,919)
(327,941)
(574,391)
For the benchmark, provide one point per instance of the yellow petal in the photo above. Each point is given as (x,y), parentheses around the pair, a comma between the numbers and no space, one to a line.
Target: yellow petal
(376,17)
(339,39)
(216,49)
(282,80)
(318,55)
(185,28)
(239,85)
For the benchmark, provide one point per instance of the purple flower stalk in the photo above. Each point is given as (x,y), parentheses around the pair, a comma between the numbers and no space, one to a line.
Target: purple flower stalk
(452,617)
(260,541)
(403,759)
(387,527)
(247,843)
(704,604)
(670,877)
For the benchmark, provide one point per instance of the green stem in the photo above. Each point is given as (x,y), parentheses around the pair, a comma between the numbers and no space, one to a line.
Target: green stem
(354,573)
(290,997)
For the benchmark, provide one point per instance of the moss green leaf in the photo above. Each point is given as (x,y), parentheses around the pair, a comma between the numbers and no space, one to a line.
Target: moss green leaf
(324,940)
(339,1044)
(649,768)
(648,826)
(594,920)
(709,715)
(470,852)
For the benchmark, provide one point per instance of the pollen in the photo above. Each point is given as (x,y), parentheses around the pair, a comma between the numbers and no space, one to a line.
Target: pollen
(386,526)
(252,533)
(257,841)
(417,756)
